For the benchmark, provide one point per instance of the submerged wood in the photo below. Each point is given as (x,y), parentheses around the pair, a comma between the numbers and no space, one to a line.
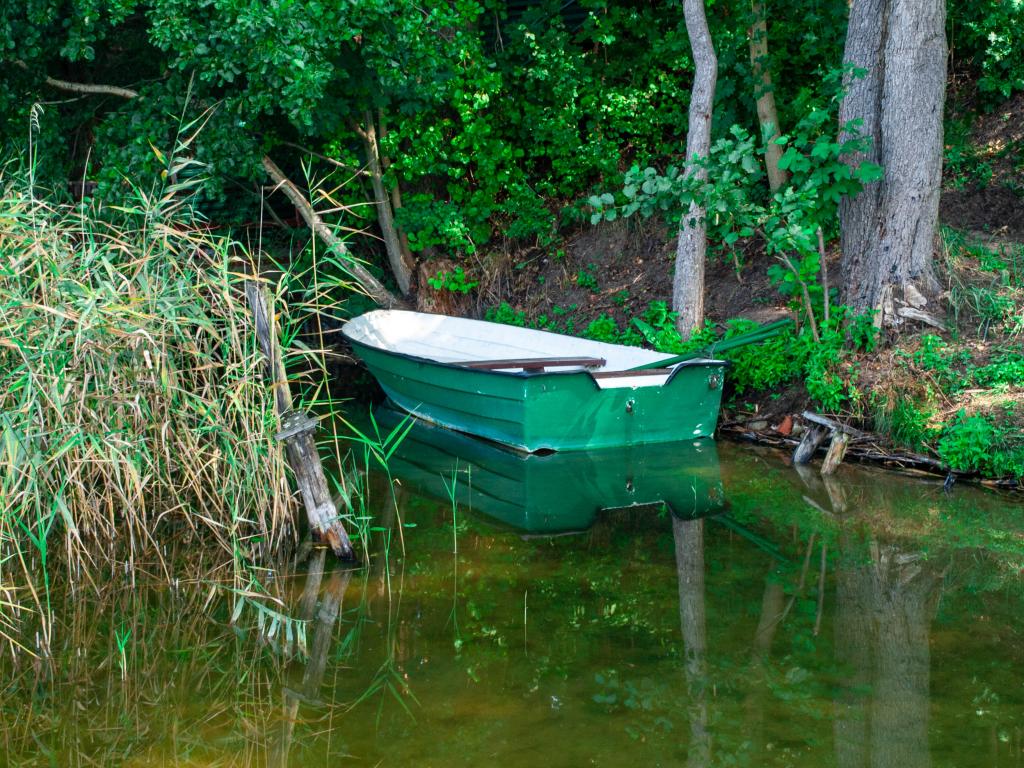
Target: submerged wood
(297,433)
(809,444)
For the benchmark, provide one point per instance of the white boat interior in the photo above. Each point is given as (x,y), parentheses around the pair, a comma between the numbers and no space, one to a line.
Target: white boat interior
(477,343)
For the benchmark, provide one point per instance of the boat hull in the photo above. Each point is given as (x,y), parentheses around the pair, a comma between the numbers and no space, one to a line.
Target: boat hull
(557,411)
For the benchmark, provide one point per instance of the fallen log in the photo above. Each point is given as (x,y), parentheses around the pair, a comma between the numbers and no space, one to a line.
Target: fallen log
(370,284)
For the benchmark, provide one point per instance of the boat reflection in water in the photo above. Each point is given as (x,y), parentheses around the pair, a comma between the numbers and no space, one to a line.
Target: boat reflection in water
(556,493)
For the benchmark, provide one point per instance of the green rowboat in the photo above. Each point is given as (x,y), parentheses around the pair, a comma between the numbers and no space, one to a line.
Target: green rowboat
(535,390)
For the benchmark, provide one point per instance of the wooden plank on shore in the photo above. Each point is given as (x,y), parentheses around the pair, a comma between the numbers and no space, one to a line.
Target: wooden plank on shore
(836,452)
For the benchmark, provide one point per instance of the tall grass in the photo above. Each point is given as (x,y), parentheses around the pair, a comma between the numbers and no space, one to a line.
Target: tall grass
(133,403)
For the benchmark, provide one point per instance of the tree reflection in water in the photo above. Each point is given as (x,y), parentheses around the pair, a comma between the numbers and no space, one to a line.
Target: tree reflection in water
(689,549)
(884,610)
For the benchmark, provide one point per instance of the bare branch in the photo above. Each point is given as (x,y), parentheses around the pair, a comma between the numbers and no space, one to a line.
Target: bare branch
(373,287)
(85,88)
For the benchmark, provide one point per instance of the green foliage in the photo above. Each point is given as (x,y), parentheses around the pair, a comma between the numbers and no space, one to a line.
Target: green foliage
(454,281)
(990,34)
(586,279)
(763,366)
(963,164)
(507,314)
(604,328)
(977,444)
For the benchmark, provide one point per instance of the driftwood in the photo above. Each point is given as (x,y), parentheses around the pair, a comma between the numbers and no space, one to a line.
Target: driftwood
(809,444)
(296,433)
(831,424)
(873,453)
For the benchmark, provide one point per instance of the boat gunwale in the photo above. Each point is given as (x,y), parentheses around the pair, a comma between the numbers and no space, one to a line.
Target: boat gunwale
(673,370)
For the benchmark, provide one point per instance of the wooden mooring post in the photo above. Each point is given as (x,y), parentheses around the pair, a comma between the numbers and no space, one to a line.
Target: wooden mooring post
(296,432)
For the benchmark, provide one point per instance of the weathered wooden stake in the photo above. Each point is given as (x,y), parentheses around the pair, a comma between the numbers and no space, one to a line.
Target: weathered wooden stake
(297,433)
(836,452)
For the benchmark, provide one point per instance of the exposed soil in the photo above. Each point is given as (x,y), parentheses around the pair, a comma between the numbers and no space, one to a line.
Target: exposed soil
(995,208)
(994,211)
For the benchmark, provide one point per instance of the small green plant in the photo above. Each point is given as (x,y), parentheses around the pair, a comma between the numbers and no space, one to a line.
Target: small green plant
(454,281)
(967,443)
(603,328)
(506,314)
(586,279)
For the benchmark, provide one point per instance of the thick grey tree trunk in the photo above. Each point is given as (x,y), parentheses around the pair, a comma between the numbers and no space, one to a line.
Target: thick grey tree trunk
(889,230)
(691,252)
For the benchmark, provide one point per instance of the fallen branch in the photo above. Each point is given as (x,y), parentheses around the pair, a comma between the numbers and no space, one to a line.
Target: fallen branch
(373,287)
(401,269)
(89,89)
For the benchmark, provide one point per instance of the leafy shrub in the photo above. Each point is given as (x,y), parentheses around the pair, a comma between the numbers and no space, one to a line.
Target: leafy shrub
(976,444)
(454,281)
(603,328)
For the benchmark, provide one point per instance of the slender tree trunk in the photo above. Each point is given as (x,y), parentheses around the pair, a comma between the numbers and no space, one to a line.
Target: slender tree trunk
(396,197)
(767,114)
(401,269)
(691,252)
(888,230)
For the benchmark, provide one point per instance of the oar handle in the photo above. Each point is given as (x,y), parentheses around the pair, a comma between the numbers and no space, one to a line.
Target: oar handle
(753,336)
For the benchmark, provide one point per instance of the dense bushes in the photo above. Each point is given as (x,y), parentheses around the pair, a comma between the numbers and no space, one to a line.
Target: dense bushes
(492,122)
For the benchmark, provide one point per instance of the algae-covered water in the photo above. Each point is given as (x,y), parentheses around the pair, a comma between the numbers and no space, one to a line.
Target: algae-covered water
(525,612)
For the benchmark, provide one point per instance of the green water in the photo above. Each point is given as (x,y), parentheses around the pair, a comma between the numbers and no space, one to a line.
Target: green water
(774,619)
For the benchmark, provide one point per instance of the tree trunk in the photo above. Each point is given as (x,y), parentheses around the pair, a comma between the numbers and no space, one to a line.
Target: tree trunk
(396,196)
(688,282)
(888,230)
(400,267)
(767,114)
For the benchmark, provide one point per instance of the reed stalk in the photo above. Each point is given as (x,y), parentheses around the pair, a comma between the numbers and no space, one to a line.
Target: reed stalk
(133,406)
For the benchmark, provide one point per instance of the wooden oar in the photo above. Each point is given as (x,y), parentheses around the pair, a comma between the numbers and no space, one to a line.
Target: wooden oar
(762,333)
